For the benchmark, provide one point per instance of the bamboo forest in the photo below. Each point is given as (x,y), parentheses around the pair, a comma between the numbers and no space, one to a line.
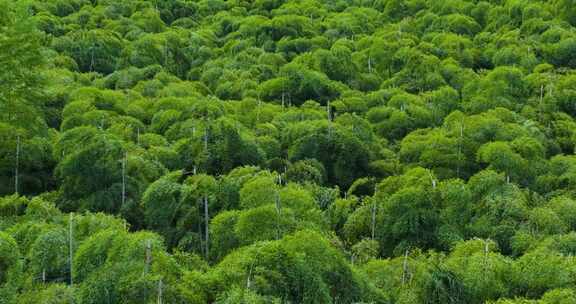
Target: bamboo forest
(287,151)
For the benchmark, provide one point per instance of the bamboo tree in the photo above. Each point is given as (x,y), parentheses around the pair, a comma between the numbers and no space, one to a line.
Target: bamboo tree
(278,210)
(258,109)
(124,163)
(92,58)
(166,53)
(485,251)
(70,247)
(432,180)
(206,226)
(248,279)
(17,165)
(160,291)
(329,119)
(373,219)
(485,264)
(278,203)
(283,92)
(369,64)
(206,139)
(148,256)
(541,99)
(460,139)
(405,268)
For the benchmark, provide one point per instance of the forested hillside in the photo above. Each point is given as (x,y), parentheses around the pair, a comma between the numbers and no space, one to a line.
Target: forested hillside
(288,151)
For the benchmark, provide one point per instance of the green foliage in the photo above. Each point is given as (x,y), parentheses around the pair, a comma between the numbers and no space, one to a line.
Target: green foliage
(9,260)
(93,50)
(21,97)
(343,155)
(287,151)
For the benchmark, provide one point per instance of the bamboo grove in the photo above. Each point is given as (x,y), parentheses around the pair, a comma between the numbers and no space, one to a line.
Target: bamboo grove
(288,151)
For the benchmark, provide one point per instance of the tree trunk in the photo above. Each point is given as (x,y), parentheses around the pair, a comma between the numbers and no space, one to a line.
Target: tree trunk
(329,119)
(369,64)
(279,213)
(148,255)
(160,290)
(206,227)
(405,268)
(373,220)
(124,161)
(460,149)
(17,165)
(70,247)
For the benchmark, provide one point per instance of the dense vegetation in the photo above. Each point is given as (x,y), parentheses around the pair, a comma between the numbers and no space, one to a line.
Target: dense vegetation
(287,151)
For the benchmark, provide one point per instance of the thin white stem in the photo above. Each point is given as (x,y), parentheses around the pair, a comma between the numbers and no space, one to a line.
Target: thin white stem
(17,166)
